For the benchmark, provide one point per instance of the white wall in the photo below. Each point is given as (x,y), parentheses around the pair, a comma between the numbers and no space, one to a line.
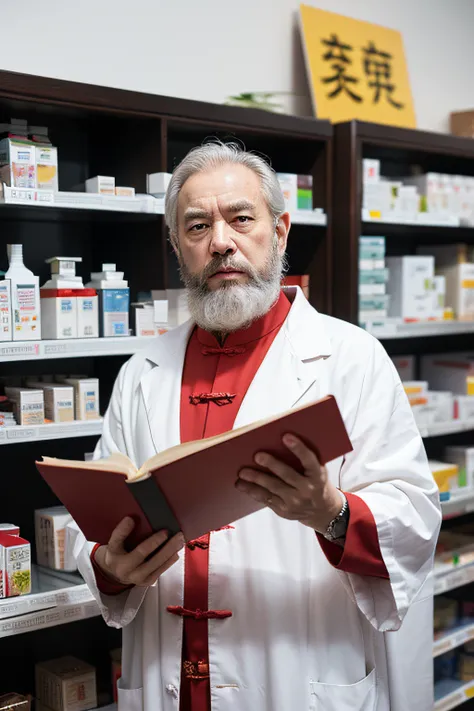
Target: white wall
(208,49)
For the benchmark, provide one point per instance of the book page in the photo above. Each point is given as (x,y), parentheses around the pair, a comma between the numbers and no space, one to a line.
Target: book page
(116,462)
(181,451)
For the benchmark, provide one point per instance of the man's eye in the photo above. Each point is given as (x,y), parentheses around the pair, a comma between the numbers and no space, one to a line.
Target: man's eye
(243,219)
(198,228)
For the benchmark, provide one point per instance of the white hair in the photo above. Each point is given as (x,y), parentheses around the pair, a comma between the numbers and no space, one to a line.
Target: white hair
(213,155)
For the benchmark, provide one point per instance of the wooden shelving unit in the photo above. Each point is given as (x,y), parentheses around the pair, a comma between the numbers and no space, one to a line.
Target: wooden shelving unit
(126,134)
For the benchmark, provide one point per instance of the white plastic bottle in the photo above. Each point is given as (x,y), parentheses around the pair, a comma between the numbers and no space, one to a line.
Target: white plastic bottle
(26,319)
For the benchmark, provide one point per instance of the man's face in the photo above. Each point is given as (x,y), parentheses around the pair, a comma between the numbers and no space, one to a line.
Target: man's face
(225,230)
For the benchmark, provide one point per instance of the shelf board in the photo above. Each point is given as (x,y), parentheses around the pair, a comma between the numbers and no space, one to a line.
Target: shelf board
(307,217)
(439,429)
(454,578)
(24,197)
(71,348)
(49,589)
(57,598)
(451,693)
(424,219)
(458,505)
(13,435)
(454,638)
(421,329)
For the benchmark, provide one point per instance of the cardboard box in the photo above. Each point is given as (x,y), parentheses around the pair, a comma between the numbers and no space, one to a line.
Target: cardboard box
(87,313)
(453,372)
(157,184)
(439,296)
(6,333)
(405,366)
(289,187)
(47,168)
(114,305)
(66,684)
(462,123)
(441,404)
(463,407)
(125,192)
(14,702)
(28,405)
(464,458)
(445,475)
(58,400)
(143,319)
(10,528)
(370,170)
(17,163)
(103,184)
(50,536)
(58,313)
(416,391)
(430,187)
(410,285)
(15,566)
(86,398)
(371,248)
(304,195)
(460,289)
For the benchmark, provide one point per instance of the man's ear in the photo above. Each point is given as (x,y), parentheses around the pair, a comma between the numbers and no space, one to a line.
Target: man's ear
(282,230)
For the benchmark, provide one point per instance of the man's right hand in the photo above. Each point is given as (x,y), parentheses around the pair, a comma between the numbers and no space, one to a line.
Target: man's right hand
(133,568)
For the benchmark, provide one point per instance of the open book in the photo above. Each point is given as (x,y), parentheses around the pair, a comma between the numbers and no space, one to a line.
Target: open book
(190,487)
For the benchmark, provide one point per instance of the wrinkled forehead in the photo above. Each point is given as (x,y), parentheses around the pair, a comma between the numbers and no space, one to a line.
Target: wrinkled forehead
(222,187)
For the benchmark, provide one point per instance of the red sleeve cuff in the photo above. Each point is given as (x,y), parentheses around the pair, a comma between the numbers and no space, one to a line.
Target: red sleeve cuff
(361,553)
(106,585)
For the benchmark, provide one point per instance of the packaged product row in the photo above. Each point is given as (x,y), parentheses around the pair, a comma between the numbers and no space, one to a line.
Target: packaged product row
(437,194)
(39,400)
(66,684)
(435,284)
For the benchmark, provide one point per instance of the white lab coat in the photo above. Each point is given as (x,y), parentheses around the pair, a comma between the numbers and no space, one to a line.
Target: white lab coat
(303,635)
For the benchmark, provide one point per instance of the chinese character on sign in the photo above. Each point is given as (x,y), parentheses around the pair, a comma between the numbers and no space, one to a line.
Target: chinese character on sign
(340,62)
(378,68)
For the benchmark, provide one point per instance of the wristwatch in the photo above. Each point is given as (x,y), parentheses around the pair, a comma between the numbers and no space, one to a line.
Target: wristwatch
(338,527)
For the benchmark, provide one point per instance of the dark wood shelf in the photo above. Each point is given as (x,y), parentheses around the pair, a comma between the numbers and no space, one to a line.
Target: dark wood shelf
(399,150)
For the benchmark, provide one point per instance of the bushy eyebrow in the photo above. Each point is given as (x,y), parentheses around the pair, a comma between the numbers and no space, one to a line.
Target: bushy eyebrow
(240,205)
(198,213)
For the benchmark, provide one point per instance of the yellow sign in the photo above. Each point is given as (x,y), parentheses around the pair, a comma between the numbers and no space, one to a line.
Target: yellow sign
(357,70)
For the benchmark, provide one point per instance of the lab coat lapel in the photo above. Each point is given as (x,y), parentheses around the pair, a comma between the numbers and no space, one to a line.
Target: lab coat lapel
(293,368)
(161,386)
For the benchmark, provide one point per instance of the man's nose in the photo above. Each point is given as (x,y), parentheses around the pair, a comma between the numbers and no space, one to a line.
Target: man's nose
(222,239)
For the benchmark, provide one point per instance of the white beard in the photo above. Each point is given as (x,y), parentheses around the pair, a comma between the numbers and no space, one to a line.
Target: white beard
(234,306)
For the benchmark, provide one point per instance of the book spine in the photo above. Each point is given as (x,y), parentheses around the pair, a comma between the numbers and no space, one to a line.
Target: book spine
(155,506)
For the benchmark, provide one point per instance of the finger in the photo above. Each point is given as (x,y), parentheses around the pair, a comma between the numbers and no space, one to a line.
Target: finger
(286,473)
(271,483)
(160,558)
(146,548)
(262,495)
(306,456)
(158,573)
(120,534)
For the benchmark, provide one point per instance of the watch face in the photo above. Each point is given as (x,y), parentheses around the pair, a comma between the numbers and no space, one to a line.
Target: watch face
(339,528)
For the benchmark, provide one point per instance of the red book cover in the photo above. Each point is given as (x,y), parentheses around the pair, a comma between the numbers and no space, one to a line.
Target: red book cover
(195,493)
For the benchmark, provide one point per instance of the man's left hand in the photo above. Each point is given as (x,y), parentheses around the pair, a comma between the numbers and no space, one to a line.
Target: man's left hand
(309,498)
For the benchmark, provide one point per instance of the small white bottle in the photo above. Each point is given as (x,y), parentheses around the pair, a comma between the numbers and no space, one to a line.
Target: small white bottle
(26,319)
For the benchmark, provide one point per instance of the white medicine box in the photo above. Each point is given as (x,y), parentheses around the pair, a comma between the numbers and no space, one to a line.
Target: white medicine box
(460,289)
(410,285)
(103,184)
(5,310)
(58,313)
(87,313)
(50,537)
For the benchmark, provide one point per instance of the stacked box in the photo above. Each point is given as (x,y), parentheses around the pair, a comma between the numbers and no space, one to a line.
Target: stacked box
(28,405)
(50,536)
(66,684)
(15,566)
(410,286)
(373,276)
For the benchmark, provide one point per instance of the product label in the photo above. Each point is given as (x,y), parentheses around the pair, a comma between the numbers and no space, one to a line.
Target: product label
(87,305)
(66,305)
(116,300)
(18,570)
(90,404)
(25,314)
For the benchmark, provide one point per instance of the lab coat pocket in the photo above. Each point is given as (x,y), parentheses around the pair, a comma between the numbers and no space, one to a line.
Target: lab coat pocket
(129,699)
(361,696)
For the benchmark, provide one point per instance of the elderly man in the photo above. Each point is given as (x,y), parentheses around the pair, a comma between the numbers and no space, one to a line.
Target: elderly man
(293,608)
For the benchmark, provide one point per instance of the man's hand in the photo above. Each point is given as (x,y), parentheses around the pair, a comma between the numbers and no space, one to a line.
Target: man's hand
(133,568)
(309,498)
